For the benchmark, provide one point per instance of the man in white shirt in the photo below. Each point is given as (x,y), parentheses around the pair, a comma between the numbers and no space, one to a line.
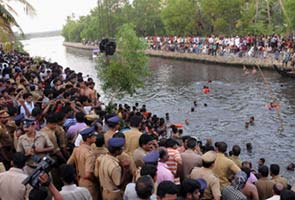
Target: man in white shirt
(11,186)
(71,191)
(27,106)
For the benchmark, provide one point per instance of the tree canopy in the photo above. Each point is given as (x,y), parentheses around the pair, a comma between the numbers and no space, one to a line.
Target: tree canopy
(183,17)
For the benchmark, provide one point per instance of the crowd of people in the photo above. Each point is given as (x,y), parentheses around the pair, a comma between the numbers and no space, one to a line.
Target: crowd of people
(109,152)
(264,47)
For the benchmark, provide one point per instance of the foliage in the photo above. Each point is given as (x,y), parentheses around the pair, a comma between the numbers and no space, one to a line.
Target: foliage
(7,20)
(184,18)
(125,71)
(179,17)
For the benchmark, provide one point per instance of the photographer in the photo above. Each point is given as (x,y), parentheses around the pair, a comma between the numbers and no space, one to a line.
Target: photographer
(41,193)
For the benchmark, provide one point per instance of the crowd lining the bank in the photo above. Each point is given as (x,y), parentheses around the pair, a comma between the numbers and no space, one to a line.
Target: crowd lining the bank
(118,152)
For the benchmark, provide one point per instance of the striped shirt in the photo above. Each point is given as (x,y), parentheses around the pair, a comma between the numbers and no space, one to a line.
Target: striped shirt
(173,161)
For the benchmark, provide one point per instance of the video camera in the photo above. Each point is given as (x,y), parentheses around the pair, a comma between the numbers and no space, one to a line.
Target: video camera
(45,164)
(108,46)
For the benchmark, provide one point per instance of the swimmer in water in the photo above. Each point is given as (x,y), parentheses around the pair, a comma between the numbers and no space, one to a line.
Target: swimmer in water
(206,89)
(186,122)
(272,106)
(195,103)
(251,121)
(247,125)
(245,70)
(192,109)
(254,71)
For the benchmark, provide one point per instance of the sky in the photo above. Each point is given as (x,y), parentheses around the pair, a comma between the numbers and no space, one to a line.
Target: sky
(51,14)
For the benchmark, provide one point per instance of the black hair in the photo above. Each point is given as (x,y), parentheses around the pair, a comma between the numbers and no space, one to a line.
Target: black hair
(26,95)
(38,194)
(236,150)
(162,152)
(99,140)
(135,121)
(166,187)
(274,169)
(191,143)
(119,135)
(19,160)
(144,187)
(207,164)
(59,116)
(148,169)
(262,159)
(144,139)
(188,186)
(287,195)
(51,118)
(170,143)
(68,174)
(247,171)
(263,170)
(221,146)
(80,117)
(185,137)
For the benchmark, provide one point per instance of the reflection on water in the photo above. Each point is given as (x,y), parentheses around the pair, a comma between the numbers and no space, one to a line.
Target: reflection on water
(233,98)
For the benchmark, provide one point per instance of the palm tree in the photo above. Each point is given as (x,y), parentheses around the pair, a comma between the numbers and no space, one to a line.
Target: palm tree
(7,19)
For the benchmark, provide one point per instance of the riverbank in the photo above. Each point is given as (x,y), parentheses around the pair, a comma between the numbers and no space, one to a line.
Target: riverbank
(229,60)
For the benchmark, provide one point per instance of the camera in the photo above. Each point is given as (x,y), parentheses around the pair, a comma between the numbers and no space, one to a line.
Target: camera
(45,164)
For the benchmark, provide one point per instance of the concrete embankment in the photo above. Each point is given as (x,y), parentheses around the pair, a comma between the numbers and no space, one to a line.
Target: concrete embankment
(223,60)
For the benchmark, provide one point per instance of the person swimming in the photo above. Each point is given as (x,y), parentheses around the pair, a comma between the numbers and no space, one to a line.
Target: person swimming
(206,89)
(272,106)
(245,70)
(254,71)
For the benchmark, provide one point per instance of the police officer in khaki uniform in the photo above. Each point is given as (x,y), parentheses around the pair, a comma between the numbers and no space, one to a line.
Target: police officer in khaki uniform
(112,172)
(33,143)
(213,187)
(84,161)
(6,142)
(224,168)
(113,124)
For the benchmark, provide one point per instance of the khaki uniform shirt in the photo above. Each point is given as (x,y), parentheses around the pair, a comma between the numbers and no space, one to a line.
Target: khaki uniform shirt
(11,186)
(224,168)
(25,145)
(110,173)
(132,138)
(190,159)
(138,155)
(132,167)
(61,136)
(236,160)
(108,135)
(264,188)
(84,161)
(51,135)
(213,188)
(280,179)
(98,151)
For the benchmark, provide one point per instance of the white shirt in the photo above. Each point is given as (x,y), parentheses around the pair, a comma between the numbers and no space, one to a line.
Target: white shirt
(274,197)
(11,186)
(72,192)
(30,107)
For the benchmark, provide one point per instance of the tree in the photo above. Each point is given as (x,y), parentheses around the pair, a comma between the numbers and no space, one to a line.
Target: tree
(179,17)
(126,70)
(7,19)
(146,17)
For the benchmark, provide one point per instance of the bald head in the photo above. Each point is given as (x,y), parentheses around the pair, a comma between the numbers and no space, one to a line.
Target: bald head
(277,188)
